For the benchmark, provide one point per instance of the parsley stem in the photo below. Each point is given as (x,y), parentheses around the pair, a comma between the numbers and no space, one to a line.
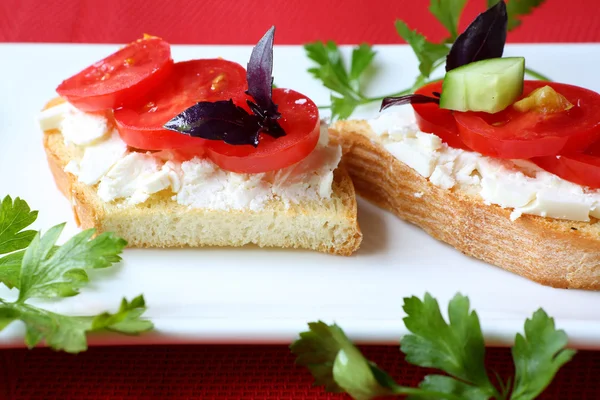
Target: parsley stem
(367,100)
(536,75)
(403,390)
(402,92)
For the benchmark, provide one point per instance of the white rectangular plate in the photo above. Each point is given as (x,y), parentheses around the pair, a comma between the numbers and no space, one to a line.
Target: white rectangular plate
(253,295)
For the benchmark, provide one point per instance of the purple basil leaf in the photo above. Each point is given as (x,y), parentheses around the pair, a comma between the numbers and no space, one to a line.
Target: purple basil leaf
(219,120)
(483,39)
(407,99)
(269,125)
(260,75)
(223,120)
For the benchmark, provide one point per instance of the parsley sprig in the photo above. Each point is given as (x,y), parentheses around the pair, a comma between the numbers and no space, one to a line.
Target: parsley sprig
(456,348)
(346,83)
(38,268)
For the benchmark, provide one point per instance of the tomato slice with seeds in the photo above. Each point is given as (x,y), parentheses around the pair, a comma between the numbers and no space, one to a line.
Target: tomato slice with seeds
(433,119)
(141,126)
(516,135)
(582,169)
(300,121)
(121,77)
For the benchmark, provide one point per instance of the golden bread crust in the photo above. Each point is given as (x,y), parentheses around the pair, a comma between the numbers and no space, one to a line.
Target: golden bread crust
(558,253)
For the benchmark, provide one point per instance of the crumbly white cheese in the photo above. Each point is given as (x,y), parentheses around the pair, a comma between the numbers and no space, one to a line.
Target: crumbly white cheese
(51,118)
(82,128)
(99,158)
(515,184)
(205,185)
(134,176)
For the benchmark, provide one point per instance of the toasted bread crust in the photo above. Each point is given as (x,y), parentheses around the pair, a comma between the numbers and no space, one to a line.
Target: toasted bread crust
(557,253)
(337,222)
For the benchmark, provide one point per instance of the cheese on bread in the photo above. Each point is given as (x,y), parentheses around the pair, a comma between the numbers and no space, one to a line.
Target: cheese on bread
(159,220)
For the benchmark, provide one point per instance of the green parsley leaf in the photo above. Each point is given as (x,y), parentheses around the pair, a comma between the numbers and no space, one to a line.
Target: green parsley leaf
(68,333)
(448,13)
(538,356)
(343,107)
(48,271)
(10,269)
(446,384)
(14,217)
(7,315)
(330,67)
(332,72)
(45,270)
(456,348)
(362,57)
(317,349)
(517,9)
(338,365)
(430,55)
(126,320)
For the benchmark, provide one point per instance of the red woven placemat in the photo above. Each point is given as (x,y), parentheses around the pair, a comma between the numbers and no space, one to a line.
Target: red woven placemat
(245,21)
(221,372)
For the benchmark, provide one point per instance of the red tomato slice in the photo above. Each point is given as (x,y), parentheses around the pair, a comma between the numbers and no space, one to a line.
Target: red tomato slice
(512,134)
(300,121)
(121,77)
(583,169)
(433,119)
(190,82)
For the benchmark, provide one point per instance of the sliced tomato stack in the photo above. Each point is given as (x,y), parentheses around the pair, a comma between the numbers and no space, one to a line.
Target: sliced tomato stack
(565,143)
(145,89)
(121,77)
(433,119)
(141,123)
(300,121)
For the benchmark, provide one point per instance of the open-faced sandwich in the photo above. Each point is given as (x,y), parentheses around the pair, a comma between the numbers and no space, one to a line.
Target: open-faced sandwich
(197,153)
(504,169)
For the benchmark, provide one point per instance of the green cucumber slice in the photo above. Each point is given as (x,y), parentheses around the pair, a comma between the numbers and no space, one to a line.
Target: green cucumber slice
(488,85)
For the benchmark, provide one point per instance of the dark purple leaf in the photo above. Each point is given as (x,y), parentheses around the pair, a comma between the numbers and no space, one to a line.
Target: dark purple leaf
(260,75)
(483,39)
(223,120)
(219,120)
(269,124)
(407,99)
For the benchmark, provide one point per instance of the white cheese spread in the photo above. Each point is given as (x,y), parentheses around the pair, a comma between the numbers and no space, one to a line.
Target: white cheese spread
(514,184)
(99,158)
(82,128)
(52,117)
(130,176)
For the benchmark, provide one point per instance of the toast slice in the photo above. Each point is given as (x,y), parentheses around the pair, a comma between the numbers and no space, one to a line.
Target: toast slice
(325,225)
(557,253)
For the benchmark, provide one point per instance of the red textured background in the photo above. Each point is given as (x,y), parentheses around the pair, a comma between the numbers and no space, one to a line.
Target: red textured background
(222,372)
(244,372)
(245,21)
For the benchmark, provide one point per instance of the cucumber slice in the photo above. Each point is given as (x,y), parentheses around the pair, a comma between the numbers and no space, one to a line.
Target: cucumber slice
(488,85)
